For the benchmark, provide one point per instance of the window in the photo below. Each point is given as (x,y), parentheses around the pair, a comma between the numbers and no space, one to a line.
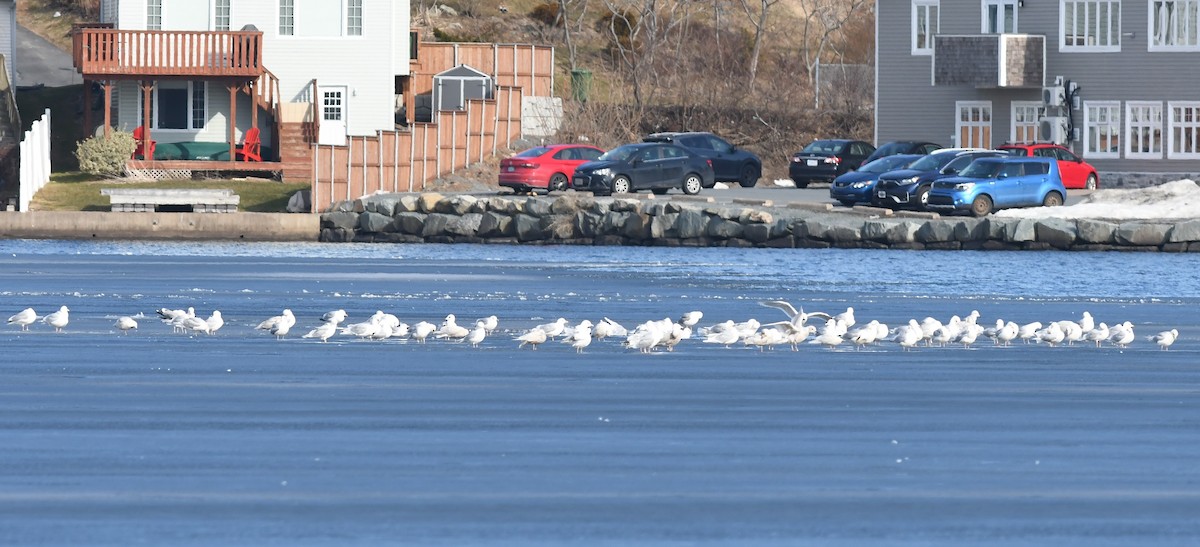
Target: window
(1143,130)
(973,127)
(287,17)
(354,17)
(154,15)
(1102,124)
(1090,25)
(924,25)
(1025,118)
(221,15)
(414,39)
(1184,130)
(1173,25)
(177,105)
(332,106)
(999,16)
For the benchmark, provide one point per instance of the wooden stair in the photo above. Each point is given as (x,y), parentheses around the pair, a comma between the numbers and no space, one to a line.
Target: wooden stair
(295,151)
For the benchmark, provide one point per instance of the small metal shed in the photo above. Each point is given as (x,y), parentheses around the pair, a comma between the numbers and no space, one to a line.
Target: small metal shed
(452,88)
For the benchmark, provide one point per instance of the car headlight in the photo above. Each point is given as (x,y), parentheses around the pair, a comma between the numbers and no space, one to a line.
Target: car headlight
(602,172)
(862,184)
(909,180)
(964,186)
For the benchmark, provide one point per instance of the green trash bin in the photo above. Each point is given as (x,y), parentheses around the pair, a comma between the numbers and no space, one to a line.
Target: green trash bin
(581,84)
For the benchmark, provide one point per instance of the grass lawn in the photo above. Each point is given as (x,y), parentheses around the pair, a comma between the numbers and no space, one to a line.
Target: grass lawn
(80,192)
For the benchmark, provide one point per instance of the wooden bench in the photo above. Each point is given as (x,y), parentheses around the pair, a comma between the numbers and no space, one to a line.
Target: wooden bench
(141,200)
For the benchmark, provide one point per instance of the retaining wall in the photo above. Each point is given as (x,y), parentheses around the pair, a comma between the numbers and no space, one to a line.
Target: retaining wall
(584,220)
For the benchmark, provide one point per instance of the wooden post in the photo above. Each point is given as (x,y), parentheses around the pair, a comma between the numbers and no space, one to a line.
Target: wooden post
(233,88)
(107,108)
(253,91)
(147,94)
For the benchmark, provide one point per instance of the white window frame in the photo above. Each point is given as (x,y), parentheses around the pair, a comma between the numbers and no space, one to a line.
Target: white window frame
(925,5)
(1023,107)
(1115,126)
(1114,9)
(347,8)
(985,12)
(215,15)
(1191,28)
(151,23)
(1153,108)
(1192,127)
(191,117)
(960,124)
(291,18)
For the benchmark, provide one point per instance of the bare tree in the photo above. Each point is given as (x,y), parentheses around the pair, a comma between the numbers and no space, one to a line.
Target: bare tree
(759,22)
(638,30)
(567,8)
(825,18)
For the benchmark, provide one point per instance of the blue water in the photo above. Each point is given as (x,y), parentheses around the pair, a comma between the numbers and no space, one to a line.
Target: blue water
(240,439)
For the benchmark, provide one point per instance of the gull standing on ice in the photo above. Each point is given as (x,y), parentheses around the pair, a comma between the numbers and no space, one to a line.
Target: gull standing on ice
(797,317)
(23,318)
(477,334)
(58,319)
(324,332)
(489,323)
(690,319)
(1165,338)
(534,337)
(125,323)
(215,322)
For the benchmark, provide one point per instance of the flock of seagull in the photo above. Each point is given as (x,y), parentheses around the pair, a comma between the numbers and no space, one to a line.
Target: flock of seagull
(664,334)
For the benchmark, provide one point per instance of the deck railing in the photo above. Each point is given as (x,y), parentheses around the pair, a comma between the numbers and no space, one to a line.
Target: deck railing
(157,53)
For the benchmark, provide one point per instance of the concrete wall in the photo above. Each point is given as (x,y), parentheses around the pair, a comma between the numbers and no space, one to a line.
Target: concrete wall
(168,226)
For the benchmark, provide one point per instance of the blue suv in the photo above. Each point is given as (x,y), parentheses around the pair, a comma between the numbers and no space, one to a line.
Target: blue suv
(909,187)
(999,183)
(856,186)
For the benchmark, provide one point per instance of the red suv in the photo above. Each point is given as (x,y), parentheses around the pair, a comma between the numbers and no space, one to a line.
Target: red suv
(1075,172)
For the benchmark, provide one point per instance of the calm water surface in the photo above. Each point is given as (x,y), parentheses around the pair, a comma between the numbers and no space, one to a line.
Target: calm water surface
(240,439)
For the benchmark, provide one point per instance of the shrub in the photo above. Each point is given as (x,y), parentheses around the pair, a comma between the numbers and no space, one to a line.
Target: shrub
(546,13)
(105,156)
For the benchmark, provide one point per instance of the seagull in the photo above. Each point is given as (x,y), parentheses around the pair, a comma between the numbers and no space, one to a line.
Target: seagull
(194,324)
(270,323)
(828,339)
(581,336)
(1029,331)
(489,323)
(797,317)
(690,319)
(215,322)
(125,323)
(1121,335)
(607,327)
(58,319)
(847,317)
(725,337)
(533,337)
(23,318)
(422,330)
(1098,334)
(909,335)
(326,330)
(1165,338)
(335,316)
(554,329)
(452,330)
(1052,335)
(477,334)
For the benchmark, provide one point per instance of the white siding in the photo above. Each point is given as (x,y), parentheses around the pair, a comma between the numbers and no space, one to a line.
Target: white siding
(400,50)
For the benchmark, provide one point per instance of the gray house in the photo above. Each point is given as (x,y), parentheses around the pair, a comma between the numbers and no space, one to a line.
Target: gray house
(1117,81)
(8,35)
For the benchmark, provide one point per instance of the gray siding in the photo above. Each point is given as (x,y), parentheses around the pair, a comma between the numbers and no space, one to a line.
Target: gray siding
(8,37)
(909,107)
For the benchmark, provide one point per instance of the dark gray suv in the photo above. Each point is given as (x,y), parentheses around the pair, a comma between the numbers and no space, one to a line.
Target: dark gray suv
(729,163)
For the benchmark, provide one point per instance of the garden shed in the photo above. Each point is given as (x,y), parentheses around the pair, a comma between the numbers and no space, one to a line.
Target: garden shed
(452,88)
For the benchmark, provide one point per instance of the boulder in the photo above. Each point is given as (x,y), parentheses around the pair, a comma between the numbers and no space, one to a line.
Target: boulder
(751,216)
(384,204)
(996,228)
(588,224)
(970,229)
(614,222)
(528,228)
(457,205)
(409,223)
(719,228)
(663,226)
(1057,232)
(493,224)
(436,223)
(408,203)
(537,207)
(504,205)
(373,222)
(624,205)
(300,202)
(569,204)
(427,202)
(637,227)
(691,223)
(560,227)
(934,231)
(344,207)
(1142,233)
(1188,230)
(1022,231)
(599,207)
(344,220)
(848,234)
(1095,231)
(876,230)
(465,225)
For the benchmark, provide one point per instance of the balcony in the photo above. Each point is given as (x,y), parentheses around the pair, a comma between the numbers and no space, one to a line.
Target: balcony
(990,60)
(106,53)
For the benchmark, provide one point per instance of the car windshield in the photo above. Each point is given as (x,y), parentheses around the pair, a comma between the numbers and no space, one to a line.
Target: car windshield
(620,153)
(883,165)
(982,169)
(824,147)
(933,162)
(1014,151)
(533,152)
(892,148)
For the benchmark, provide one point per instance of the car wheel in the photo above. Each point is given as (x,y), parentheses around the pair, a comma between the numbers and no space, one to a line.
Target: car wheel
(1053,199)
(922,198)
(620,185)
(658,191)
(558,183)
(749,176)
(981,206)
(1091,182)
(801,183)
(692,184)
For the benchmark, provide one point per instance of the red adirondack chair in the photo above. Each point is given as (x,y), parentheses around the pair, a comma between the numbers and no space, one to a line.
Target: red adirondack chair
(145,154)
(251,147)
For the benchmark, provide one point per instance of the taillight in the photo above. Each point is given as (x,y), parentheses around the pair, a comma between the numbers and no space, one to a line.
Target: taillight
(527,165)
(833,159)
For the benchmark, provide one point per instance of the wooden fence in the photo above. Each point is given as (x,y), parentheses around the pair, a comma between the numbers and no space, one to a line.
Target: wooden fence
(515,65)
(403,161)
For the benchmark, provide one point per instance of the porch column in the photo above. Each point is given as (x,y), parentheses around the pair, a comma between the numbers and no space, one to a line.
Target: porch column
(252,90)
(107,108)
(87,108)
(233,89)
(147,94)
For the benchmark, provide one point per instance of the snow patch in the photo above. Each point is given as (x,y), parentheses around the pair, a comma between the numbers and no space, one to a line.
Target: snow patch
(1172,200)
(785,183)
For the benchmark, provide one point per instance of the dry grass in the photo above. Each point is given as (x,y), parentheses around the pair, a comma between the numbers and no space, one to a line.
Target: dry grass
(38,16)
(78,192)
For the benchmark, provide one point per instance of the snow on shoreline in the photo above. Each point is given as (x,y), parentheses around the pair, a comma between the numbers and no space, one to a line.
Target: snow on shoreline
(1173,200)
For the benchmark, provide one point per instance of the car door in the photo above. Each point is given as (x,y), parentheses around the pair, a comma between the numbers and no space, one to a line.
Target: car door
(858,151)
(673,161)
(644,169)
(1037,179)
(1070,168)
(1009,189)
(725,163)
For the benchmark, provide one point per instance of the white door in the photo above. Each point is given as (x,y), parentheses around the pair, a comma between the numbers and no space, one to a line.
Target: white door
(332,100)
(999,16)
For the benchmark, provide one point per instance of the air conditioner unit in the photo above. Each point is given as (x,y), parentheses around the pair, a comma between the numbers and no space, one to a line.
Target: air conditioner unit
(1053,129)
(1054,95)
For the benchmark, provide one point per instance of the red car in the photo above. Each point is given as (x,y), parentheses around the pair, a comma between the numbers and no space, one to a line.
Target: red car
(1075,172)
(548,168)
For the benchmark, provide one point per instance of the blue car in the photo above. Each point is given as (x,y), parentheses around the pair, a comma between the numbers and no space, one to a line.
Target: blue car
(856,186)
(908,188)
(989,184)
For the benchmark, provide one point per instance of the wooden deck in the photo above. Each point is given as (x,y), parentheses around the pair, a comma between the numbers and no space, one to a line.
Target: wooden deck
(106,53)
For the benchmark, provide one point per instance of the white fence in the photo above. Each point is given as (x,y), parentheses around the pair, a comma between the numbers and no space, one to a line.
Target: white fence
(35,160)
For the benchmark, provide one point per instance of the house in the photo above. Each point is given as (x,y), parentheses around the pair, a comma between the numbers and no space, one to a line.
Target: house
(1114,80)
(8,34)
(206,71)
